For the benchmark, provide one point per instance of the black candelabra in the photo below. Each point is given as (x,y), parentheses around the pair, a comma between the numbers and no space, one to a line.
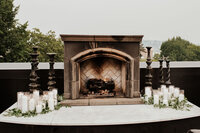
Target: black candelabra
(51,83)
(148,76)
(33,75)
(161,77)
(168,82)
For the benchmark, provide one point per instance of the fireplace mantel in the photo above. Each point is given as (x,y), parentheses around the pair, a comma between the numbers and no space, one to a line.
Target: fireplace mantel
(101,38)
(81,50)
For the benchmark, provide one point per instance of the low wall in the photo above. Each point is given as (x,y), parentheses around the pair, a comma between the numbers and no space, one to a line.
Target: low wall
(14,77)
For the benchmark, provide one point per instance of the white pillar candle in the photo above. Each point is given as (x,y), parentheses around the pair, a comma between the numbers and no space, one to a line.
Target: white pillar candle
(45,97)
(24,104)
(181,97)
(50,95)
(156,99)
(51,104)
(176,92)
(55,102)
(165,101)
(55,93)
(19,100)
(38,108)
(148,91)
(165,93)
(171,89)
(162,87)
(36,96)
(169,95)
(31,104)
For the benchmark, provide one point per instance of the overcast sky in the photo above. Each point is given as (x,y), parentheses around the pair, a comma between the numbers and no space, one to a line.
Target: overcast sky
(155,19)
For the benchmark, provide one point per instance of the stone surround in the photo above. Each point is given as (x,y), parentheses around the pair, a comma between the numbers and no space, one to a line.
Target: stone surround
(80,48)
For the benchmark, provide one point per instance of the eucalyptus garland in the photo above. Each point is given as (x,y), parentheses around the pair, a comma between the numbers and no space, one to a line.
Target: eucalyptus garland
(173,103)
(18,113)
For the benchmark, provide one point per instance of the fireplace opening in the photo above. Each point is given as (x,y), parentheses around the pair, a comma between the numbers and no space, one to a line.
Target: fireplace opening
(102,77)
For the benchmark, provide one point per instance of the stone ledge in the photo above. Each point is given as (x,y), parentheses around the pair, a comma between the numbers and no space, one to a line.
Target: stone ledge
(103,101)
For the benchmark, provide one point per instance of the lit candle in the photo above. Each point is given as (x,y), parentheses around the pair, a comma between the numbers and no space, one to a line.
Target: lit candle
(31,104)
(171,89)
(36,96)
(55,102)
(50,95)
(148,93)
(38,108)
(176,92)
(51,104)
(162,88)
(55,93)
(165,93)
(165,101)
(19,100)
(181,96)
(24,104)
(155,99)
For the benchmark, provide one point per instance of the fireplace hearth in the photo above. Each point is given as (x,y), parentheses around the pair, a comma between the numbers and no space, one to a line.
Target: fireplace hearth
(97,68)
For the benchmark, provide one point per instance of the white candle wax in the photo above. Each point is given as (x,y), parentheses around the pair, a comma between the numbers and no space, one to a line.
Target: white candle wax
(155,99)
(24,104)
(19,100)
(51,104)
(31,104)
(38,108)
(169,95)
(55,93)
(181,97)
(165,93)
(162,87)
(171,89)
(146,98)
(55,102)
(36,96)
(165,101)
(45,97)
(148,91)
(50,95)
(176,92)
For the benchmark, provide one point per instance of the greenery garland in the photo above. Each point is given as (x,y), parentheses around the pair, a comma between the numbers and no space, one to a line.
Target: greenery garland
(172,103)
(18,113)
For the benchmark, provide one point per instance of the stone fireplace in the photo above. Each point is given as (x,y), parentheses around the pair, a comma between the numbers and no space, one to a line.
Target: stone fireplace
(101,69)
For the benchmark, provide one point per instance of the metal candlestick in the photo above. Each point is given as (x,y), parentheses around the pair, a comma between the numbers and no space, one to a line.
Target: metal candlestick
(51,83)
(148,76)
(33,75)
(168,82)
(161,77)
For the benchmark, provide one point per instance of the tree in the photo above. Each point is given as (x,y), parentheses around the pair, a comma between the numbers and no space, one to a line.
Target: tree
(16,41)
(156,57)
(46,43)
(179,49)
(13,36)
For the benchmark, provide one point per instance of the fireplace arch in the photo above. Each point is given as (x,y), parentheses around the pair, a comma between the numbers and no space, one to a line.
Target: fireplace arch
(111,57)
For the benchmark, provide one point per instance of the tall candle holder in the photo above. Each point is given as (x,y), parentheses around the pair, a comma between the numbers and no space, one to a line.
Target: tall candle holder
(168,82)
(148,76)
(161,77)
(33,75)
(51,83)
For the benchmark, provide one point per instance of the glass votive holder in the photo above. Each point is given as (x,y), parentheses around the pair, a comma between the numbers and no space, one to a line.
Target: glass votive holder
(182,92)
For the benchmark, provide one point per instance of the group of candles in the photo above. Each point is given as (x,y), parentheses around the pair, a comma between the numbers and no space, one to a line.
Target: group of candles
(167,93)
(27,101)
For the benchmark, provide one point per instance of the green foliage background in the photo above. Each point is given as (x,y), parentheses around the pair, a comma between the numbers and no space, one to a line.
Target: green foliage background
(16,41)
(179,49)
